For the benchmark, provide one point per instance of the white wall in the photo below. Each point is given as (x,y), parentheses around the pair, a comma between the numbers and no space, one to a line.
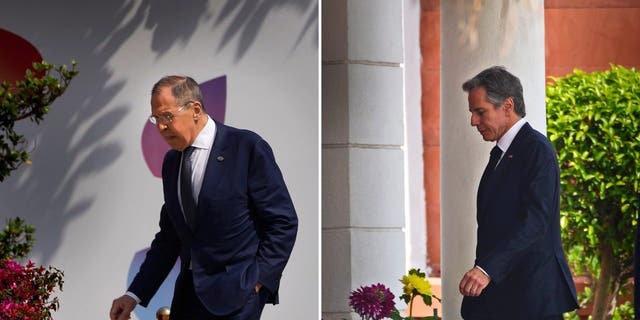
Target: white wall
(89,193)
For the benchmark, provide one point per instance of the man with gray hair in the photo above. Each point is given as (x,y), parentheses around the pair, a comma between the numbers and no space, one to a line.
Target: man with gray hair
(520,270)
(227,214)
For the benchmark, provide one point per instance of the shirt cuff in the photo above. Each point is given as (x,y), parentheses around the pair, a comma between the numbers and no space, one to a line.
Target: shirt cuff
(132,295)
(485,273)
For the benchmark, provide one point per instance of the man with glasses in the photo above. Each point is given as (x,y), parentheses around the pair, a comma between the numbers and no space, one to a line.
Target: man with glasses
(227,214)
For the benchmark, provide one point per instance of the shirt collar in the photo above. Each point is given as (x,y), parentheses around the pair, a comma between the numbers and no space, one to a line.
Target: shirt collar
(508,137)
(204,140)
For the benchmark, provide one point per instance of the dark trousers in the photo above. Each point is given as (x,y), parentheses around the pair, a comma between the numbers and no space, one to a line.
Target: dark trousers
(187,306)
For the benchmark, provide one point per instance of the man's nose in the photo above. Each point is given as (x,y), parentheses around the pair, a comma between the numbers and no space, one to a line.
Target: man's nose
(474,121)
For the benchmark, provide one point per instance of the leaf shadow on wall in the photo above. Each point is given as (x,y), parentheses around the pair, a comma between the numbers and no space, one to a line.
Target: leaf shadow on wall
(247,18)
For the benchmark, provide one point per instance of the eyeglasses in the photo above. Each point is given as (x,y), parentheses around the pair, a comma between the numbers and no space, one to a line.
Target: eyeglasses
(167,117)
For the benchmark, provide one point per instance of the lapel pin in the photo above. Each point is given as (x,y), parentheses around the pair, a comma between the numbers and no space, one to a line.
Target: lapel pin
(220,158)
(510,156)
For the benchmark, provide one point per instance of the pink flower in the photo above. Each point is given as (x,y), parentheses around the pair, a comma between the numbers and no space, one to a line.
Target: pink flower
(372,302)
(26,292)
(14,267)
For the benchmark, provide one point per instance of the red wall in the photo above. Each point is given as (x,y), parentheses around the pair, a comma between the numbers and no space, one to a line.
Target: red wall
(430,47)
(590,34)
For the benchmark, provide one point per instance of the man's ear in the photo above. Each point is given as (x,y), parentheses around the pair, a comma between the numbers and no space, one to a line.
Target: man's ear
(508,105)
(197,110)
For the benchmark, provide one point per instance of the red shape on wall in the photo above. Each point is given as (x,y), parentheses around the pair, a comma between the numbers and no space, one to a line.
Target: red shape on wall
(16,56)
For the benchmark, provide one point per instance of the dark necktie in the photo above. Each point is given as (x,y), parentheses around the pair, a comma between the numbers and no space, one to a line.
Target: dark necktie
(495,156)
(491,166)
(186,189)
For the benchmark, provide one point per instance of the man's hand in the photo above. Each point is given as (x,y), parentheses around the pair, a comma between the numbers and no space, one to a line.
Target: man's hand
(473,282)
(258,286)
(122,307)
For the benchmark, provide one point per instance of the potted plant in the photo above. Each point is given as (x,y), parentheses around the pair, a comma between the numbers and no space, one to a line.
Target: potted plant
(376,302)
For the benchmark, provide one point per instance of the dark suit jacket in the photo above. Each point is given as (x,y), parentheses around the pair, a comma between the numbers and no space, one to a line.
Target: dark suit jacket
(519,243)
(246,225)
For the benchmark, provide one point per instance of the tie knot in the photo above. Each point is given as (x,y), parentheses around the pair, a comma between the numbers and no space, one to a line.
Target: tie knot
(188,151)
(496,152)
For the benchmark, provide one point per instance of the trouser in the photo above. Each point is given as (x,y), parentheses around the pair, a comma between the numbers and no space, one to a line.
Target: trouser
(187,306)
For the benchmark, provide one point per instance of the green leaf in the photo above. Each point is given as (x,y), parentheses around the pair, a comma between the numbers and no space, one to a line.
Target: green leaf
(427,299)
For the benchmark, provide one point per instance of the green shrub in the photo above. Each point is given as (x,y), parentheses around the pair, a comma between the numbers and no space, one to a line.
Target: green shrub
(594,125)
(29,98)
(16,239)
(27,291)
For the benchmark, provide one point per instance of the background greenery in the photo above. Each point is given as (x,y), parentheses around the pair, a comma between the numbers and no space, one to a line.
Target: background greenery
(594,125)
(30,99)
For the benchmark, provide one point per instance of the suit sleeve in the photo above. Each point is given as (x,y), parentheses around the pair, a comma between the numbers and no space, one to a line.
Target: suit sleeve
(275,214)
(538,203)
(159,261)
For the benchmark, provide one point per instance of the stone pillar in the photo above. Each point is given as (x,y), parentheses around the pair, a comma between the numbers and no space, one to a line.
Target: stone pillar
(365,169)
(416,205)
(476,35)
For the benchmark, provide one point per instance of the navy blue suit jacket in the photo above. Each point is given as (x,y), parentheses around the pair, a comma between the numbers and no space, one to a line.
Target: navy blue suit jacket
(519,242)
(246,225)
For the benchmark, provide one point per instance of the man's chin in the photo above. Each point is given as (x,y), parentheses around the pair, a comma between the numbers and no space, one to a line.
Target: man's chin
(487,138)
(174,144)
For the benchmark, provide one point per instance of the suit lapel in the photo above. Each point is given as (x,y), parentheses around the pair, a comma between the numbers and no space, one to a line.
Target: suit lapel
(215,164)
(491,180)
(515,149)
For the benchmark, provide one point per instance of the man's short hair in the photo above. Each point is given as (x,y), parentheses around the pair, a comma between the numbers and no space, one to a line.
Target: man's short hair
(183,88)
(500,84)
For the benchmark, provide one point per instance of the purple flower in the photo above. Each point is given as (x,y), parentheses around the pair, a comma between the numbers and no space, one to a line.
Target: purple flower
(372,302)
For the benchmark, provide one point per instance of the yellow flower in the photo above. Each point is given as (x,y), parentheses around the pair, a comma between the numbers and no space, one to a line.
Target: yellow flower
(413,281)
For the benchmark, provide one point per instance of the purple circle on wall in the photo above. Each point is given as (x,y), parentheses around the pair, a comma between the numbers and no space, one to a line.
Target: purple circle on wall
(214,98)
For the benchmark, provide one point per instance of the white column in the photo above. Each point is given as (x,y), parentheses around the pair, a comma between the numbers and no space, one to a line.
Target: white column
(365,182)
(417,217)
(476,35)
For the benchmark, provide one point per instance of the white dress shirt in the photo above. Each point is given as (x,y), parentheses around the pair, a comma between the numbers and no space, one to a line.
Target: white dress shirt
(507,138)
(200,157)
